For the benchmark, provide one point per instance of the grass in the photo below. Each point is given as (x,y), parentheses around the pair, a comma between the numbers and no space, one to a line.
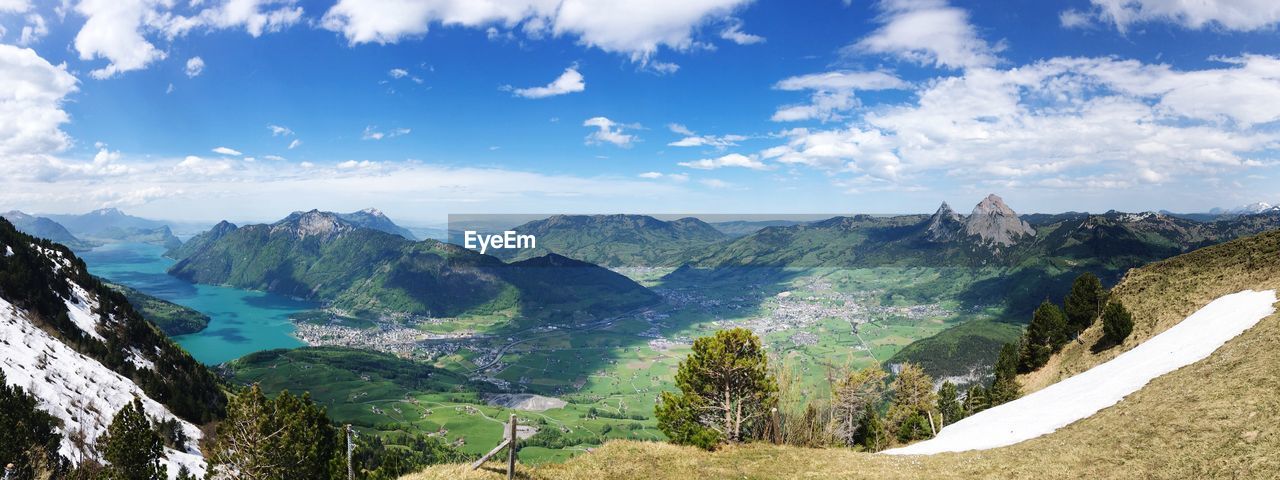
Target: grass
(1212,419)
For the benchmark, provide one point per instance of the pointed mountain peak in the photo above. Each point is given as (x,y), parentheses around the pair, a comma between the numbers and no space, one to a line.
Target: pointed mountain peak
(945,210)
(373,212)
(108,212)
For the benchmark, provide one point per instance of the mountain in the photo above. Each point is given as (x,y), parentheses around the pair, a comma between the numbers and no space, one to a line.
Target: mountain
(995,223)
(1209,419)
(1250,209)
(944,225)
(47,229)
(200,240)
(320,256)
(738,228)
(80,348)
(113,225)
(617,240)
(374,219)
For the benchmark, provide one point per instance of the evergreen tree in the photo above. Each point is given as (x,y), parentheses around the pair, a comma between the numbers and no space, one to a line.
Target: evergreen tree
(281,438)
(950,409)
(975,400)
(28,435)
(1045,335)
(871,435)
(1084,303)
(1117,323)
(1005,387)
(913,402)
(132,449)
(860,392)
(726,387)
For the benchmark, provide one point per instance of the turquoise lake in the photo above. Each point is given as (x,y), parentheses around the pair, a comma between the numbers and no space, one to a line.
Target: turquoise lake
(241,321)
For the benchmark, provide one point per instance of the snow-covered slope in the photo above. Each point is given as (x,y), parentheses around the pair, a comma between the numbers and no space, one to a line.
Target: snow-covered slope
(76,389)
(1078,397)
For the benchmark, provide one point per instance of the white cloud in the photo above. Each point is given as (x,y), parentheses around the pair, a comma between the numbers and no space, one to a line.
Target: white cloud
(398,73)
(568,82)
(833,93)
(274,158)
(279,131)
(295,144)
(730,160)
(733,33)
(32,92)
(200,166)
(674,177)
(692,139)
(715,183)
(1061,123)
(650,175)
(117,30)
(226,151)
(195,66)
(14,6)
(1072,18)
(372,133)
(1242,15)
(33,30)
(633,28)
(607,131)
(928,32)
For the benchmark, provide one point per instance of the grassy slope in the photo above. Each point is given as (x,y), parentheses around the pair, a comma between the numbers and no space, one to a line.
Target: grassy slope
(173,319)
(1211,419)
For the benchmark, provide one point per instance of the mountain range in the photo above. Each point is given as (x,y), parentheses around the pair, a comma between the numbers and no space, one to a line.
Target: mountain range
(362,271)
(616,240)
(113,225)
(46,228)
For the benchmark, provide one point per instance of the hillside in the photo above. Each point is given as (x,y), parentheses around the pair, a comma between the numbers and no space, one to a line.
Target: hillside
(83,351)
(1210,419)
(320,256)
(618,240)
(47,229)
(171,318)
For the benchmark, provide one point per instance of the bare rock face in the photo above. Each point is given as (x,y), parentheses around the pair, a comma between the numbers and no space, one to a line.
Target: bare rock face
(312,223)
(995,223)
(945,225)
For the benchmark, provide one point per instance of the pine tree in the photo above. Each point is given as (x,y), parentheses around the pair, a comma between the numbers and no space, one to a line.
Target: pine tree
(1005,387)
(1084,303)
(727,380)
(28,435)
(913,400)
(975,400)
(132,449)
(284,437)
(871,435)
(854,396)
(949,407)
(1117,323)
(1045,335)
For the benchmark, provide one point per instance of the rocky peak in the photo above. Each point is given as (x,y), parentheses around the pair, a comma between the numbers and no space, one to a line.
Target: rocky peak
(944,225)
(312,223)
(373,212)
(995,223)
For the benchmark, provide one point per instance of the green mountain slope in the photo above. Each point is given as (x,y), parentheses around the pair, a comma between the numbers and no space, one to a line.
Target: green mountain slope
(318,255)
(113,225)
(171,318)
(47,229)
(617,240)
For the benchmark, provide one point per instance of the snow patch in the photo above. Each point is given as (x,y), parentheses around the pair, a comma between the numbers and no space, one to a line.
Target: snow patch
(1078,397)
(139,361)
(78,390)
(80,310)
(8,251)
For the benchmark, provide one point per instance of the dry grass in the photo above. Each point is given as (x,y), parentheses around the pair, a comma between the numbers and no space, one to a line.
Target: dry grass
(1216,418)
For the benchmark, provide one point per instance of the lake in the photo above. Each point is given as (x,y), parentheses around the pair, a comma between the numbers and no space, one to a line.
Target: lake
(241,321)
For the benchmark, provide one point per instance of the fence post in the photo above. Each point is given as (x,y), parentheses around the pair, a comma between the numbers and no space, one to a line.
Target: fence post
(511,449)
(351,472)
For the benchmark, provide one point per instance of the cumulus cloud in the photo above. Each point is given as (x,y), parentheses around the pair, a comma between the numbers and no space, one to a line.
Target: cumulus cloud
(14,6)
(1061,123)
(32,92)
(636,29)
(568,82)
(1240,15)
(833,93)
(34,30)
(730,160)
(227,151)
(119,30)
(928,32)
(195,66)
(608,131)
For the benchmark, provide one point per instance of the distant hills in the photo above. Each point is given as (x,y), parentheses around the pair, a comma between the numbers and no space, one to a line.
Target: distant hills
(47,229)
(113,225)
(362,271)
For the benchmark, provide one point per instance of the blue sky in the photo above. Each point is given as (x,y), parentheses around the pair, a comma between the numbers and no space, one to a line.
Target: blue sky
(428,107)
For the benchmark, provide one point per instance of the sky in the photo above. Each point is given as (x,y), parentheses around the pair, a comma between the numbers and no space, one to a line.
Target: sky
(204,110)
